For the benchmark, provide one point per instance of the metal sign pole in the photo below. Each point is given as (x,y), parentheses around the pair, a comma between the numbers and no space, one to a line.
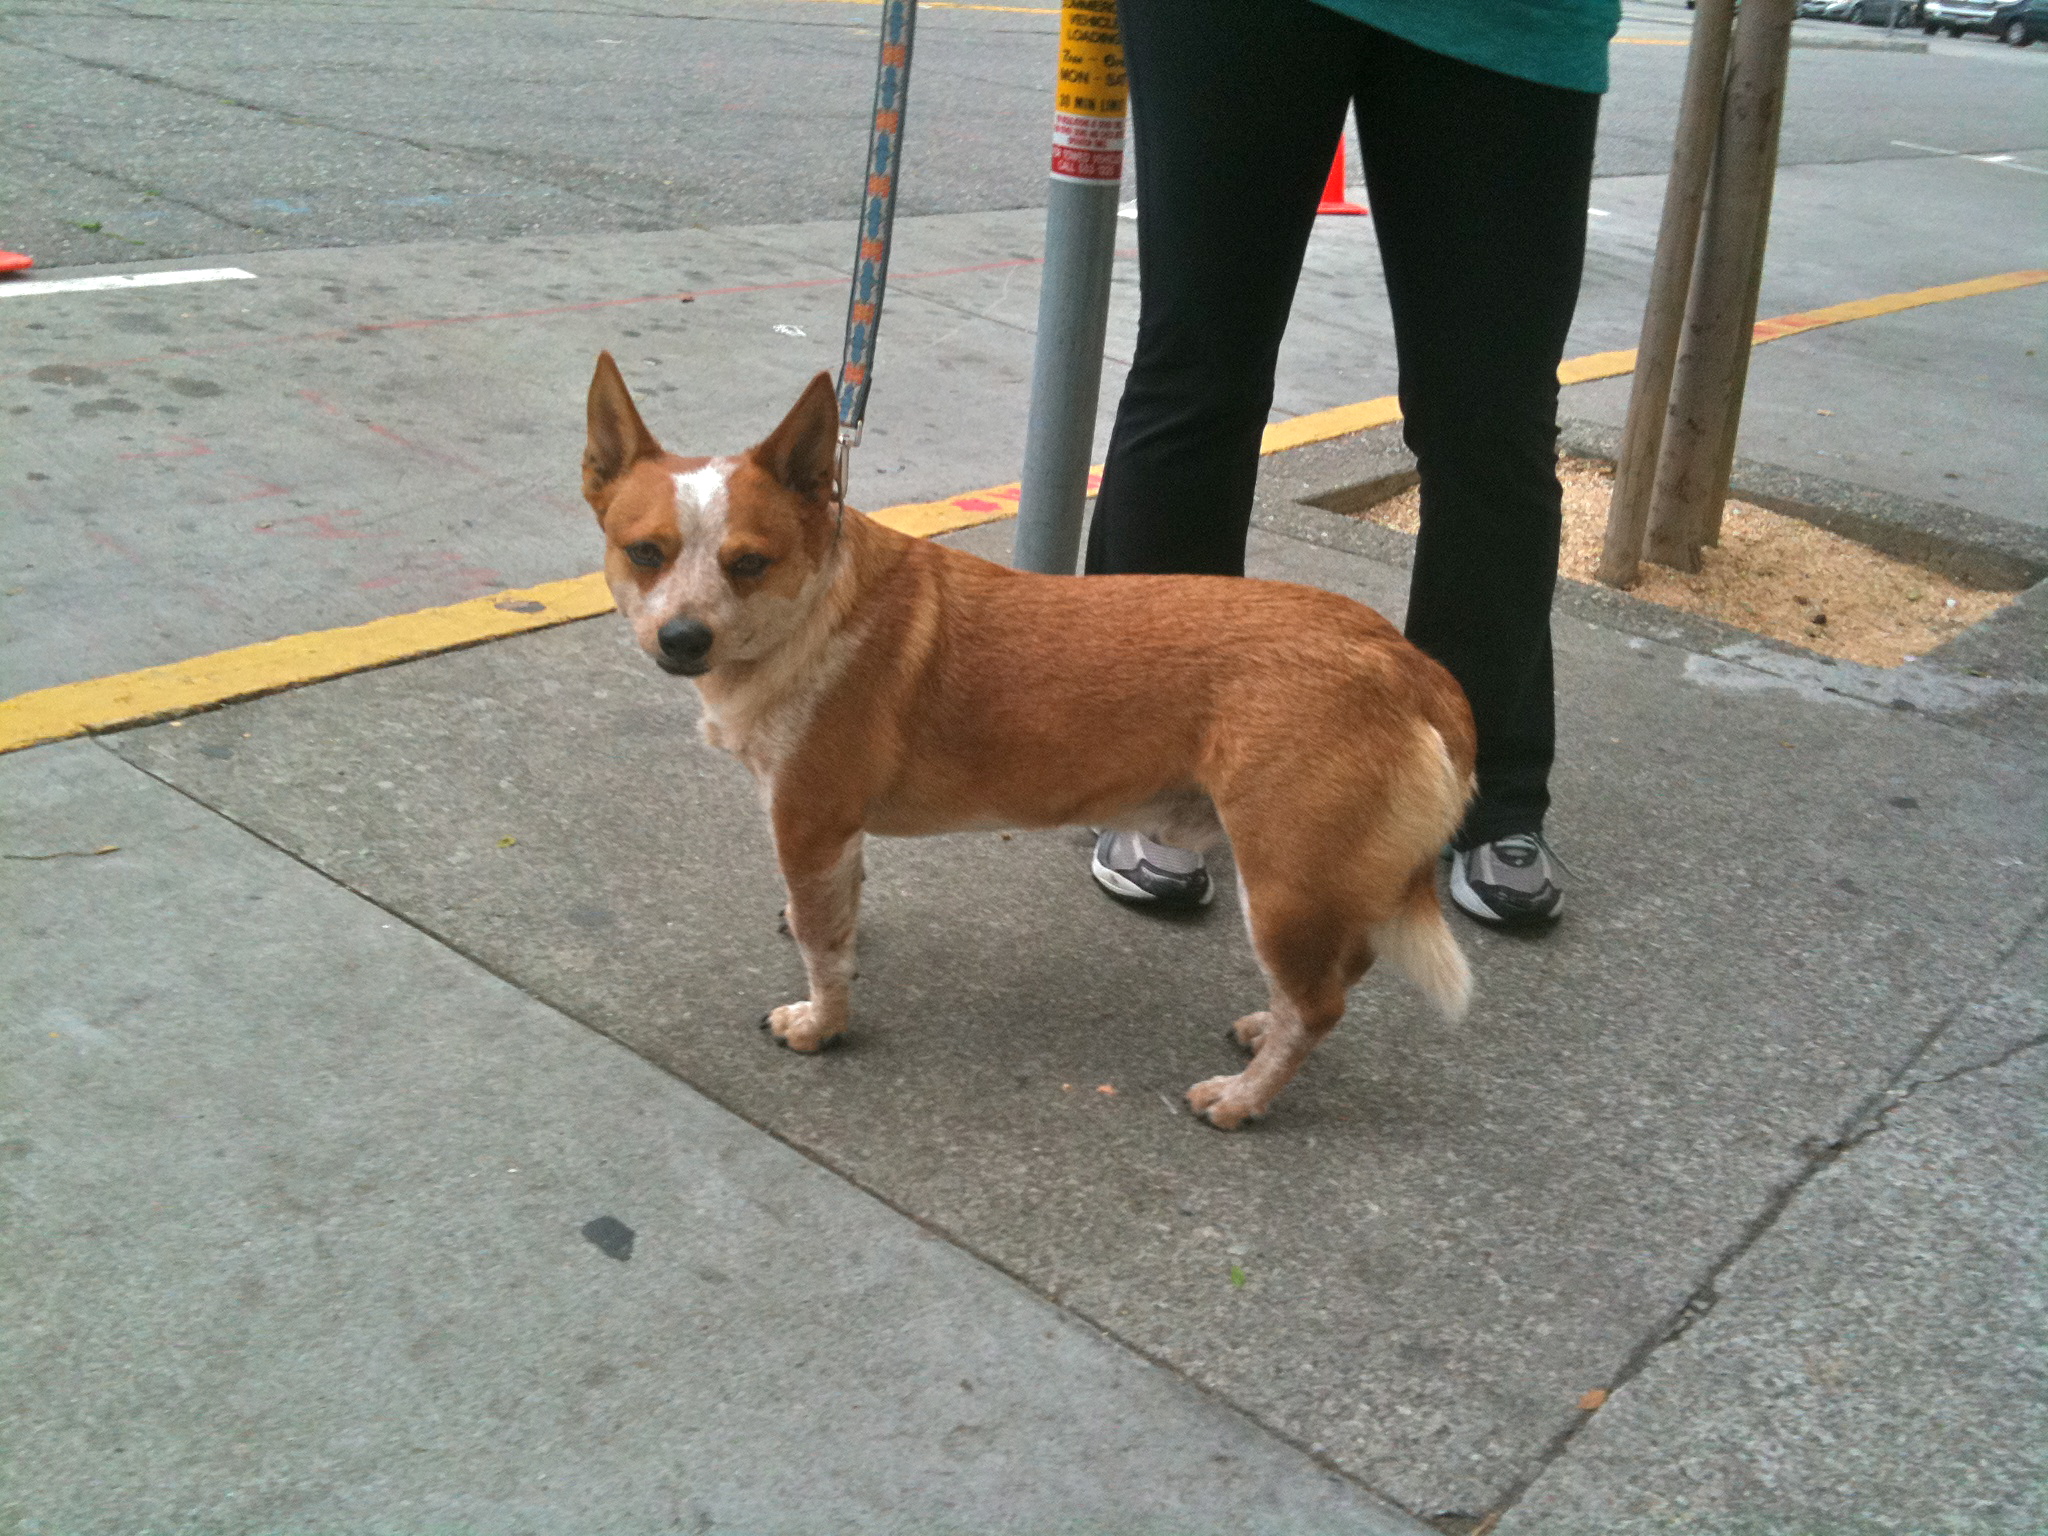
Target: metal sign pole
(1073,303)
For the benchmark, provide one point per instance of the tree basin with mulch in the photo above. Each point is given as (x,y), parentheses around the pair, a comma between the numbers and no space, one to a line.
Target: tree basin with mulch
(1772,574)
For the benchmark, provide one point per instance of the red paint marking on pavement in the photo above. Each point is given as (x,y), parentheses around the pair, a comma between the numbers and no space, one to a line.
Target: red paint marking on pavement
(433,569)
(433,453)
(264,488)
(194,448)
(949,514)
(678,297)
(314,397)
(320,525)
(534,314)
(108,542)
(199,448)
(206,597)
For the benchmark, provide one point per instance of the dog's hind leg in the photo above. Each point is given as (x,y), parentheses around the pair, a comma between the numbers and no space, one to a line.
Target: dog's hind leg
(824,879)
(1311,955)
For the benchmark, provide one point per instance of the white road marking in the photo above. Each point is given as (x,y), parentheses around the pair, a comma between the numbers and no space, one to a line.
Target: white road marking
(2010,162)
(2007,162)
(127,280)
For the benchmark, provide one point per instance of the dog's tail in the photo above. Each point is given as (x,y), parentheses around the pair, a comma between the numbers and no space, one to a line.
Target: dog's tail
(1416,940)
(1418,943)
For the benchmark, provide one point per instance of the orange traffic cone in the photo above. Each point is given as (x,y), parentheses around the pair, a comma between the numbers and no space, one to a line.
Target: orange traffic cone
(1333,189)
(14,261)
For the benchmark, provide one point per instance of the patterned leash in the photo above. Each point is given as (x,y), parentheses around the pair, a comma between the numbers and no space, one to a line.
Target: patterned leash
(877,219)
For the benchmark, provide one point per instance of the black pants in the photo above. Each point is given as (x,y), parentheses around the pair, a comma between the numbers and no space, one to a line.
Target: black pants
(1478,184)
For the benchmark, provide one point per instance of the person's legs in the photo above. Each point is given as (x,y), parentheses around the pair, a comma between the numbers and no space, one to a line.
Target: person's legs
(1479,185)
(1235,110)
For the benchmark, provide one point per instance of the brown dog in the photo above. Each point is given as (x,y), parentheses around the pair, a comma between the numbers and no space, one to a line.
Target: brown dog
(874,682)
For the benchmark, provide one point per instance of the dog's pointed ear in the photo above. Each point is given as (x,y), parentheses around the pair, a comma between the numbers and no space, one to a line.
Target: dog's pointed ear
(801,452)
(619,439)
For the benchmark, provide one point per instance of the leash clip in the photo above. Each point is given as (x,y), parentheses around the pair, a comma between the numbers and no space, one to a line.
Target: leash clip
(849,439)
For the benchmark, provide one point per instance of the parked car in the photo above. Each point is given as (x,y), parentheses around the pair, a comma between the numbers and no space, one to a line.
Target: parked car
(1866,13)
(2020,22)
(1955,17)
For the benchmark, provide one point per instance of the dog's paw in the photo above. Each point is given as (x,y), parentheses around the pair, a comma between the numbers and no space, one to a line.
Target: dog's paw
(1250,1030)
(800,1027)
(1223,1102)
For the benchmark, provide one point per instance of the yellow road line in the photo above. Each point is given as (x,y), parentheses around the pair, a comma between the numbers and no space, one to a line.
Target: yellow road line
(953,5)
(969,508)
(128,699)
(1338,421)
(160,693)
(205,682)
(1892,303)
(1341,421)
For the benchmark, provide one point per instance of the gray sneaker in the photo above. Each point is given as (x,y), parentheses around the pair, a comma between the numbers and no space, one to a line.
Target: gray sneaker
(1157,874)
(1509,882)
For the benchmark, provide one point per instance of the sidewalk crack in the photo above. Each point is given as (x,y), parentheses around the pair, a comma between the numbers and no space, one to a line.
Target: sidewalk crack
(1862,1123)
(2019,1048)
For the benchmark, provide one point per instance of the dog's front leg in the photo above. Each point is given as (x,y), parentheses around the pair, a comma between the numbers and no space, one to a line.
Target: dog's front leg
(823,874)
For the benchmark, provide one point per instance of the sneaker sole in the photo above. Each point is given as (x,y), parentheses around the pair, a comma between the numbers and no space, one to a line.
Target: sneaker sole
(1473,905)
(1118,886)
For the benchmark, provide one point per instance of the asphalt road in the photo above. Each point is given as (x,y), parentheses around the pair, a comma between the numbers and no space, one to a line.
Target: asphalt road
(171,128)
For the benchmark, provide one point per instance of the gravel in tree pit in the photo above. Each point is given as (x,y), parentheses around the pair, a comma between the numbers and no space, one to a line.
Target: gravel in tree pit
(1772,574)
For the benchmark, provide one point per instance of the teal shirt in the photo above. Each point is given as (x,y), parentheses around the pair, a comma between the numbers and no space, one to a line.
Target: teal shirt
(1553,42)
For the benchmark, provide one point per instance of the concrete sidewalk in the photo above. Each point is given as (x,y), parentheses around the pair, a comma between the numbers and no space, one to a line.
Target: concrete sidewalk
(297,1210)
(1742,1143)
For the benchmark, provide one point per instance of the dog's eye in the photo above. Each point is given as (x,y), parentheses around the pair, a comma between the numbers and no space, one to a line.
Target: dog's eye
(645,555)
(747,567)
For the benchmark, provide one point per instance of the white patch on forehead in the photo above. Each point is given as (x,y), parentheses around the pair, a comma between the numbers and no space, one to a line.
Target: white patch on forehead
(701,503)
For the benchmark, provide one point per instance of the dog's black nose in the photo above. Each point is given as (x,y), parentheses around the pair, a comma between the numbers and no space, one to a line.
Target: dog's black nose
(684,640)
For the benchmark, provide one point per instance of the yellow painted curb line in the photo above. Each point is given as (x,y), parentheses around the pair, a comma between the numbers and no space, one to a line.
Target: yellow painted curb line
(1892,303)
(1343,420)
(205,682)
(159,693)
(1338,421)
(225,677)
(970,508)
